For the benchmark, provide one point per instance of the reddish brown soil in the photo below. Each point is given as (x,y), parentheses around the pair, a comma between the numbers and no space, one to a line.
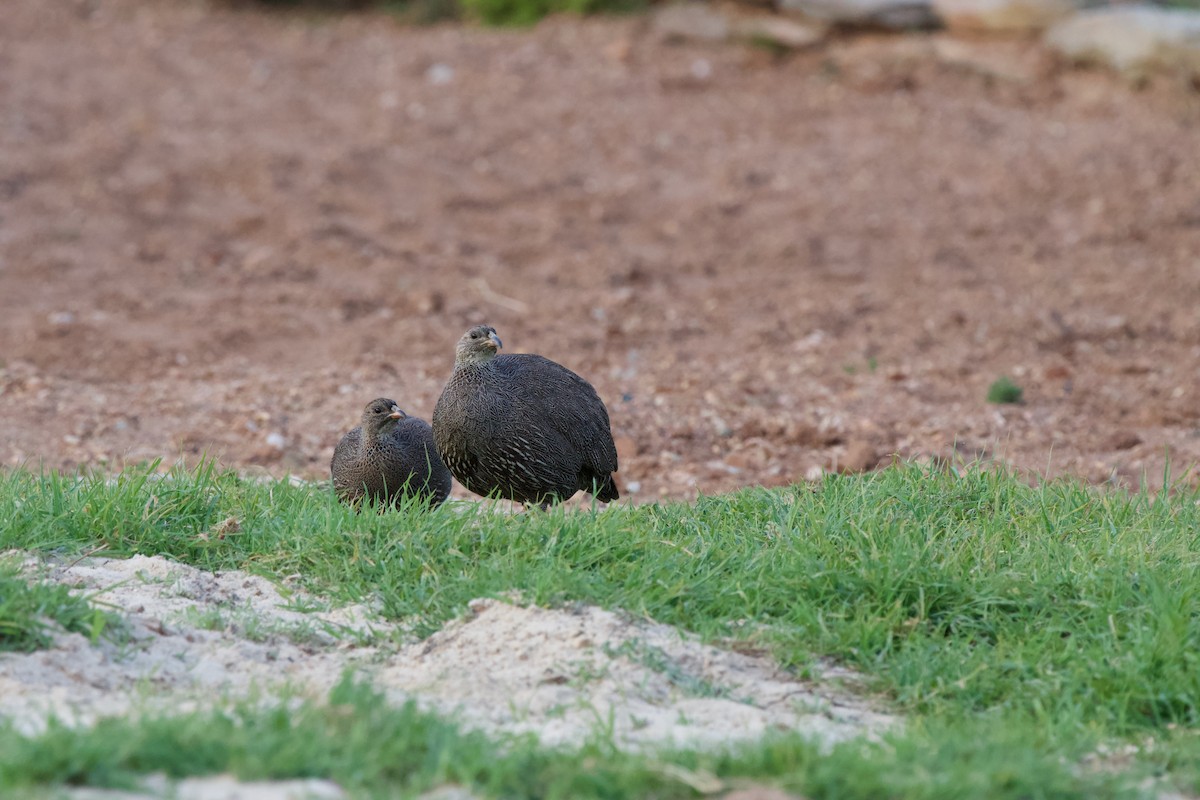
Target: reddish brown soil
(216,226)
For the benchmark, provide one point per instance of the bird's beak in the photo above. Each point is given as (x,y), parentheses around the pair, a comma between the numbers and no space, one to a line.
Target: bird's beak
(495,340)
(396,413)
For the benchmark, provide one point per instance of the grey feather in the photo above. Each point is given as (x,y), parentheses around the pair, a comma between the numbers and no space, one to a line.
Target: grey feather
(395,458)
(523,427)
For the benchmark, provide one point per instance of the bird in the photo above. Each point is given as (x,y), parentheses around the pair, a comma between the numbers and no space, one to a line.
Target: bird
(522,427)
(390,455)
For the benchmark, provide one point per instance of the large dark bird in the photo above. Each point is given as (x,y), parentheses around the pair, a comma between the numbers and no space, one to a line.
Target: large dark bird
(389,456)
(522,427)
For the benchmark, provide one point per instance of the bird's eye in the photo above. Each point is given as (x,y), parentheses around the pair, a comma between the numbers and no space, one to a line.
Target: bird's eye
(378,410)
(475,335)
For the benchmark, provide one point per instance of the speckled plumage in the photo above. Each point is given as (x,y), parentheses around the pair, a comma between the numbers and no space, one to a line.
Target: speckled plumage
(389,456)
(522,427)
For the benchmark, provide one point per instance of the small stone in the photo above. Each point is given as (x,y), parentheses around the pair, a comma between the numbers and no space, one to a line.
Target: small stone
(752,457)
(1131,39)
(718,467)
(720,427)
(439,74)
(1122,440)
(479,605)
(1056,373)
(1009,16)
(618,50)
(779,31)
(627,448)
(429,302)
(860,456)
(985,62)
(894,14)
(681,477)
(275,439)
(696,21)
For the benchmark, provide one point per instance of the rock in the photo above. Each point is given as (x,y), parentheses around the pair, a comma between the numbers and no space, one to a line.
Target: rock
(217,787)
(1131,39)
(985,62)
(777,30)
(439,74)
(1122,440)
(627,448)
(894,14)
(695,21)
(860,456)
(720,427)
(753,456)
(1008,16)
(760,793)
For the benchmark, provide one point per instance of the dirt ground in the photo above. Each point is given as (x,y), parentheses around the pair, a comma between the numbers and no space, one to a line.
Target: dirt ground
(225,232)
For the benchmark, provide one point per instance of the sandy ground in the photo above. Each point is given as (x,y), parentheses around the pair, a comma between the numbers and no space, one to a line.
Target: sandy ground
(224,787)
(225,232)
(563,674)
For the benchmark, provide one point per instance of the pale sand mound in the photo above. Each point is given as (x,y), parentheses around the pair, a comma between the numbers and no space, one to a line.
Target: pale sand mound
(171,661)
(563,674)
(216,787)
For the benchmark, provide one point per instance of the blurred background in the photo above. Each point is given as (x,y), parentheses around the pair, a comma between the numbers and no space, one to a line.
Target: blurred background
(779,240)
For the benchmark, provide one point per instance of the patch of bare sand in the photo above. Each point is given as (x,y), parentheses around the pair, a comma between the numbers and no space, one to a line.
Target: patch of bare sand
(214,787)
(170,659)
(563,673)
(197,638)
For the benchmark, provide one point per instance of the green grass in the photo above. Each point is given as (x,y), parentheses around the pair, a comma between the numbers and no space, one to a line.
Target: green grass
(1017,626)
(1003,390)
(31,613)
(490,12)
(371,749)
(527,12)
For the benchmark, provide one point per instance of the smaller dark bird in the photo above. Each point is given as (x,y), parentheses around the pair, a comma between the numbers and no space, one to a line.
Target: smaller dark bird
(522,427)
(389,456)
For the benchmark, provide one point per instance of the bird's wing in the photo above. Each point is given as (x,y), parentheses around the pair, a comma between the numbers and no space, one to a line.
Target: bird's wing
(569,403)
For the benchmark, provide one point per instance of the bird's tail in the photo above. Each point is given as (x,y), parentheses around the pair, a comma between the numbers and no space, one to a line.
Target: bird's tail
(606,489)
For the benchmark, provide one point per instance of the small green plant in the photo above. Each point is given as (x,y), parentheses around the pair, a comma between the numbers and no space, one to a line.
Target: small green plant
(490,12)
(527,12)
(31,612)
(653,658)
(1003,390)
(1018,627)
(423,12)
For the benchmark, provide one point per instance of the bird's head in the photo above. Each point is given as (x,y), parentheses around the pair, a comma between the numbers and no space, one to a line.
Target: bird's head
(381,414)
(477,346)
